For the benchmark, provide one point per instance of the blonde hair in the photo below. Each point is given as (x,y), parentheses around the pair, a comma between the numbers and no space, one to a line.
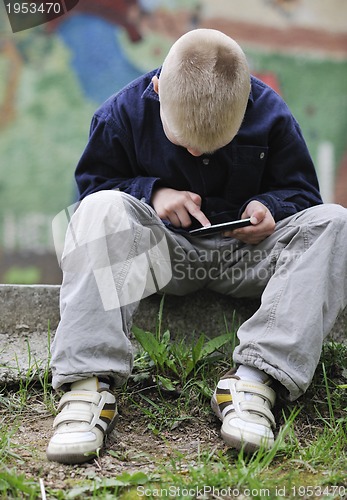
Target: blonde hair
(204,87)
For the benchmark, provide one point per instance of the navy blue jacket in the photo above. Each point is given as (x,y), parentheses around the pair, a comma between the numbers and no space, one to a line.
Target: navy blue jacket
(267,161)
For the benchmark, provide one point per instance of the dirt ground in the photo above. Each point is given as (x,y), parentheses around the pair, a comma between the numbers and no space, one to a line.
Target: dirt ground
(131,447)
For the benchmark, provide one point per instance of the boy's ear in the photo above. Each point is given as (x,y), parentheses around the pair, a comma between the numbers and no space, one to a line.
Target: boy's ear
(155,81)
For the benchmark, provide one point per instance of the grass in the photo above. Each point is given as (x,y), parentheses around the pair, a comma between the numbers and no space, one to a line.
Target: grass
(168,396)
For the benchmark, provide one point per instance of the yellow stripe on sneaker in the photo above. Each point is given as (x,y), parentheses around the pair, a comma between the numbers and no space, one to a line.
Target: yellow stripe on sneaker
(224,398)
(107,414)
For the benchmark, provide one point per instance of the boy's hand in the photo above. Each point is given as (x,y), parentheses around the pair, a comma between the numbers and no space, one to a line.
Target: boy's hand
(263,224)
(177,207)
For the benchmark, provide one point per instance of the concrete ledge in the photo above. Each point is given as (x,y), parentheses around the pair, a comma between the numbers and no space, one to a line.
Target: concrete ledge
(29,307)
(36,308)
(29,316)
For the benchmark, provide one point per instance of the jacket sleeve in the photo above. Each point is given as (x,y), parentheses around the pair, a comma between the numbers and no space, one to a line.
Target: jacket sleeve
(109,162)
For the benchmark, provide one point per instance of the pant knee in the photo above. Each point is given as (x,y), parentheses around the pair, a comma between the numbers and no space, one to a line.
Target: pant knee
(331,211)
(337,216)
(100,198)
(117,203)
(323,214)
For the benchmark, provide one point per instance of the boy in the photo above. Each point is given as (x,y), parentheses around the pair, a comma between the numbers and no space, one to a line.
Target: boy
(198,141)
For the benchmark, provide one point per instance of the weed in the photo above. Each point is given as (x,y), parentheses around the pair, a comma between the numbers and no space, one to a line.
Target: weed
(14,486)
(108,488)
(175,363)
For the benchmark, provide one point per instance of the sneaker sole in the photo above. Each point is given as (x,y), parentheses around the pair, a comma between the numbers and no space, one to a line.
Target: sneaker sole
(246,443)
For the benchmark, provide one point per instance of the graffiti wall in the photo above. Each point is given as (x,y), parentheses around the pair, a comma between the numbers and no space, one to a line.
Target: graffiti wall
(54,75)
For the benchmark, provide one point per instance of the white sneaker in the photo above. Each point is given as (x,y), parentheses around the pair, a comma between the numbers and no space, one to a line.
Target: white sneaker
(87,414)
(244,408)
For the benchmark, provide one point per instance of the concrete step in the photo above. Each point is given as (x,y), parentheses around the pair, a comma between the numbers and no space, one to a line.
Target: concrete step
(29,316)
